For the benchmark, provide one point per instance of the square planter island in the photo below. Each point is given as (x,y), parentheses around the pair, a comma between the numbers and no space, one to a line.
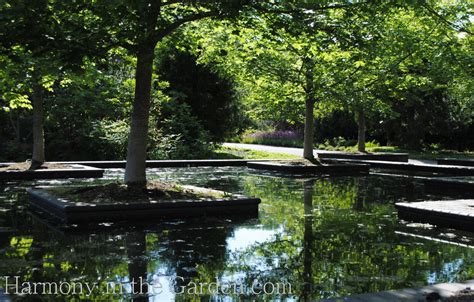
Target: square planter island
(385,156)
(50,171)
(295,168)
(67,208)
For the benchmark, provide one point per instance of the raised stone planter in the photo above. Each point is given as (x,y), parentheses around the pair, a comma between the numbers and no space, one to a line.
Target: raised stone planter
(456,214)
(75,171)
(445,290)
(337,169)
(455,162)
(412,167)
(398,157)
(69,211)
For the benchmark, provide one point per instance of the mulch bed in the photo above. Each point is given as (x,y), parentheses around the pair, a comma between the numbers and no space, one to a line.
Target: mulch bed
(24,166)
(119,193)
(300,162)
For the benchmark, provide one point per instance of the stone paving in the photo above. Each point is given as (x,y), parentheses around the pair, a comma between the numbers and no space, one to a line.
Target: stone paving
(455,214)
(445,290)
(461,207)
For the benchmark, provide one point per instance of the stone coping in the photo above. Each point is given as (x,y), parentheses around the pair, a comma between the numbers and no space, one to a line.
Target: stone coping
(414,167)
(120,164)
(456,214)
(337,169)
(397,157)
(445,290)
(77,171)
(70,212)
(455,161)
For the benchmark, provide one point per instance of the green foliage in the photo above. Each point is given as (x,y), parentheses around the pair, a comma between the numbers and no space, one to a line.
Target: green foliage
(177,133)
(407,65)
(210,94)
(273,138)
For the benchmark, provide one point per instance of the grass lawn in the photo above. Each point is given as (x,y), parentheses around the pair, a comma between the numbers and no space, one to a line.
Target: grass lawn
(229,153)
(233,153)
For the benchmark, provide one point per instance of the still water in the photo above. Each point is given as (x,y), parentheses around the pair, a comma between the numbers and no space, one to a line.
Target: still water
(314,238)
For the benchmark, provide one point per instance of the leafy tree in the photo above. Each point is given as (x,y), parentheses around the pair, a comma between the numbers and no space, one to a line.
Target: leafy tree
(392,56)
(37,36)
(138,26)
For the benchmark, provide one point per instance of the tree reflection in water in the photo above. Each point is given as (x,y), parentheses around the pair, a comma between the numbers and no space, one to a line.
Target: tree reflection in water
(327,237)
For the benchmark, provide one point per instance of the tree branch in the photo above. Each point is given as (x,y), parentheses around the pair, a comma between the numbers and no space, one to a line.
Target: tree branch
(446,21)
(308,7)
(157,35)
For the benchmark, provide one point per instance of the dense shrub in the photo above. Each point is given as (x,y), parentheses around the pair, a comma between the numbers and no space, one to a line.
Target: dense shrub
(210,94)
(177,134)
(87,115)
(286,138)
(429,117)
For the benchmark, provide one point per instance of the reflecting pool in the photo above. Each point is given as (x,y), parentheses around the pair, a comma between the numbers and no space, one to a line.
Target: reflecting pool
(314,238)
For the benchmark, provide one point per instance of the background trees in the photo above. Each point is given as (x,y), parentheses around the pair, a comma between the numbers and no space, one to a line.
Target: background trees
(404,72)
(362,60)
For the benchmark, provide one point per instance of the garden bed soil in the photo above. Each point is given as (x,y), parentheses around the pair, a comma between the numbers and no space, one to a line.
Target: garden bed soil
(115,202)
(24,166)
(118,193)
(20,171)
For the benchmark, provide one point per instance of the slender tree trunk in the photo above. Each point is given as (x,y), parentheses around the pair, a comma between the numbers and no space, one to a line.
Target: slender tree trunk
(361,131)
(135,173)
(309,129)
(38,131)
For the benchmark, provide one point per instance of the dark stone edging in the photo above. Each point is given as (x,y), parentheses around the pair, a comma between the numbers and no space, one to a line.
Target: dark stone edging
(452,185)
(455,162)
(453,170)
(77,171)
(397,157)
(71,213)
(341,169)
(445,218)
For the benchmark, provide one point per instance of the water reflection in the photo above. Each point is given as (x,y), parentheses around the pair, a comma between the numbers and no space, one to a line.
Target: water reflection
(137,267)
(327,237)
(308,241)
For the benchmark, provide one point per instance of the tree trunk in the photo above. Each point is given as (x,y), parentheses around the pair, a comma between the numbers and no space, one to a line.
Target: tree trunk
(309,129)
(361,131)
(38,132)
(135,173)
